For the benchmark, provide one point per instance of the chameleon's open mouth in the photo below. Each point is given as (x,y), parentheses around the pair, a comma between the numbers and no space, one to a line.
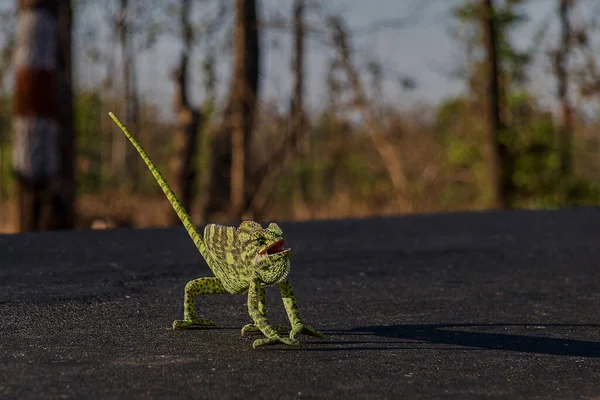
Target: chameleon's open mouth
(275,248)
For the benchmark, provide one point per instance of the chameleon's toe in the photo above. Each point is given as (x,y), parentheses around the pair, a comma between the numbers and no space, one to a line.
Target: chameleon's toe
(252,328)
(276,340)
(305,330)
(186,323)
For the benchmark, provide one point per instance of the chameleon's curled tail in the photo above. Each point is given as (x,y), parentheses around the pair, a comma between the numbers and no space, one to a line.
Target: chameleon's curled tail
(181,212)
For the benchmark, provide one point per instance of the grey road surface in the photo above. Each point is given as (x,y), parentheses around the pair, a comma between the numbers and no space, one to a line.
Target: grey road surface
(501,305)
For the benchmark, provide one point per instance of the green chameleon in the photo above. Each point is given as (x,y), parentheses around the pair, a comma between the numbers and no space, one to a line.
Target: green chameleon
(243,260)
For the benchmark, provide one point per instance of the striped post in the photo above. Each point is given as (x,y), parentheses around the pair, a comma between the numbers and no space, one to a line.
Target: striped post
(36,141)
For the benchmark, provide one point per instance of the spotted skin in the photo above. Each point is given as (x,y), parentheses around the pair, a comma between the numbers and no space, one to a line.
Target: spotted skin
(192,289)
(244,261)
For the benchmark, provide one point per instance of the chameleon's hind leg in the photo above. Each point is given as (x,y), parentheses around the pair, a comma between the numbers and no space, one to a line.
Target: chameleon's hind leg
(192,289)
(262,299)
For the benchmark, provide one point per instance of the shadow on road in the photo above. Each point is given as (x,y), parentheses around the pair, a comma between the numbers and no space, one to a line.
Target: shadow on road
(463,335)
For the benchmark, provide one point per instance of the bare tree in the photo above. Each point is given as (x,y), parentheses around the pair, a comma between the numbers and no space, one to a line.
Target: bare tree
(297,109)
(238,150)
(386,150)
(295,144)
(188,119)
(66,204)
(42,83)
(122,153)
(499,175)
(562,76)
(8,34)
(244,98)
(230,161)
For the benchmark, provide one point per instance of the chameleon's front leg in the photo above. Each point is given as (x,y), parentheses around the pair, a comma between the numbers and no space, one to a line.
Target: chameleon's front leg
(262,308)
(258,315)
(289,302)
(192,289)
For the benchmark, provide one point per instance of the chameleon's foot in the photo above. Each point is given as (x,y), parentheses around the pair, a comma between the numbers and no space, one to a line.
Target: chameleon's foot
(276,340)
(252,328)
(305,330)
(186,323)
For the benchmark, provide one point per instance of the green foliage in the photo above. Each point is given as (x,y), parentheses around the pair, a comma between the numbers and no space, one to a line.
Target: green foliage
(529,133)
(463,139)
(342,162)
(203,157)
(535,162)
(87,110)
(534,156)
(6,178)
(536,173)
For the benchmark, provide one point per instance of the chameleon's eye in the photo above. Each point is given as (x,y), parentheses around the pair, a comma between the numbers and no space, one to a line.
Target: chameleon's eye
(274,228)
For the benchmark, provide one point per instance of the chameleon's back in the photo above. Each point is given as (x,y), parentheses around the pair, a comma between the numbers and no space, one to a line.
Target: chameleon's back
(226,259)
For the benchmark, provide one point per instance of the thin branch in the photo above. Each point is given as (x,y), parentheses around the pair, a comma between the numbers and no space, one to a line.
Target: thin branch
(385,149)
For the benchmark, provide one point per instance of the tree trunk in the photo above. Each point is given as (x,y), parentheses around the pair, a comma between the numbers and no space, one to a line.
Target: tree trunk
(245,92)
(238,163)
(188,119)
(66,214)
(562,77)
(264,178)
(229,171)
(297,109)
(42,74)
(123,165)
(301,141)
(500,175)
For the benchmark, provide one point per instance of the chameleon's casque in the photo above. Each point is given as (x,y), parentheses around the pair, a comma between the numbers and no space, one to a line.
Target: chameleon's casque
(243,260)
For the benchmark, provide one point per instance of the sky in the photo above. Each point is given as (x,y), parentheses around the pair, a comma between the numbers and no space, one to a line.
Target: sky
(421,49)
(421,46)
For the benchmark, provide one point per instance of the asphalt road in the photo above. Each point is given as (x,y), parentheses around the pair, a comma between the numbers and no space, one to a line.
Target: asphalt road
(482,305)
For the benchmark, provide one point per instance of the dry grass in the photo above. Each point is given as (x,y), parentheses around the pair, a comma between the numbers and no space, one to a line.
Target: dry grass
(104,211)
(118,210)
(8,210)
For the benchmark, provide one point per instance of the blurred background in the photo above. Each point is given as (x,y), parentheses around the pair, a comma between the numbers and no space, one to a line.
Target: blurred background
(295,109)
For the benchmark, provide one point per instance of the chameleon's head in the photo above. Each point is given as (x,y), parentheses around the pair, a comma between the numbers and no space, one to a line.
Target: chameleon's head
(269,258)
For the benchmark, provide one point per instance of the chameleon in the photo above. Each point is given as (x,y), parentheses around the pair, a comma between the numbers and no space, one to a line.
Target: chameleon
(246,259)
